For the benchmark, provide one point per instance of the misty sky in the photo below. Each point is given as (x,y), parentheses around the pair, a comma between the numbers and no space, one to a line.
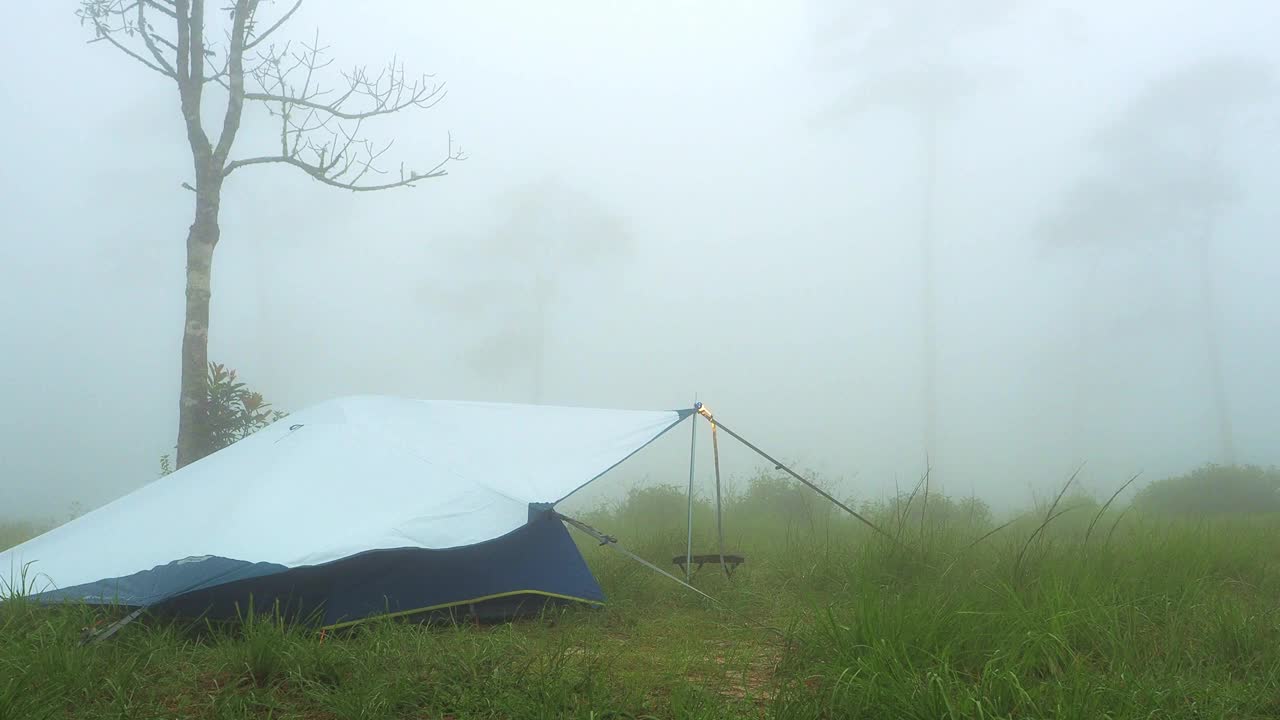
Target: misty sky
(759,253)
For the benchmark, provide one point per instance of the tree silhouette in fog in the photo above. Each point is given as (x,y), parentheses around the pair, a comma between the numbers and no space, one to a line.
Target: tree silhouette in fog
(898,55)
(546,232)
(1162,179)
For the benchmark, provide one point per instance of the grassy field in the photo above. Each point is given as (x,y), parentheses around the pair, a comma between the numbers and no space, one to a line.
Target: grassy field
(1091,616)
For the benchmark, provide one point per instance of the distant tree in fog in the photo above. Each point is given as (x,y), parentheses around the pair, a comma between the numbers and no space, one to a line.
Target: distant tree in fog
(547,231)
(898,55)
(1162,178)
(231,52)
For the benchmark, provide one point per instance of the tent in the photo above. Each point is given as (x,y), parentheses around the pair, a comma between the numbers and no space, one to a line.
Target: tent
(354,508)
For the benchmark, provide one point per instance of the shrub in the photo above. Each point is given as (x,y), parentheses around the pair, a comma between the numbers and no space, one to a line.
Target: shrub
(1214,489)
(235,411)
(773,495)
(912,511)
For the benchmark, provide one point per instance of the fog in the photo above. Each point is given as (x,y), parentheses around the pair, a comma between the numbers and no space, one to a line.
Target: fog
(670,200)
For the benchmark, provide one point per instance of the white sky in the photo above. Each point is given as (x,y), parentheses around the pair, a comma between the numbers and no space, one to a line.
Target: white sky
(773,263)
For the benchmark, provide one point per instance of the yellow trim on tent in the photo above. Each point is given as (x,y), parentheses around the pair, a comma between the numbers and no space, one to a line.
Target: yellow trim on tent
(483,598)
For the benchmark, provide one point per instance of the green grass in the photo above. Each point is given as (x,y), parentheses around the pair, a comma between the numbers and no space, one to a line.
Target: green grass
(13,533)
(1151,618)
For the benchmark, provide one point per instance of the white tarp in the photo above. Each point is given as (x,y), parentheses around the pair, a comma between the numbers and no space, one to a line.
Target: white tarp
(346,476)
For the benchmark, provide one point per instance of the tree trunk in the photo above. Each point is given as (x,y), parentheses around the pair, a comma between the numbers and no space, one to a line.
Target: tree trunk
(1213,348)
(193,413)
(928,303)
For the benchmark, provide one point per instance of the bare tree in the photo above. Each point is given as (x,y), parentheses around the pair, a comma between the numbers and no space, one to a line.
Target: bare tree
(899,54)
(320,129)
(1162,177)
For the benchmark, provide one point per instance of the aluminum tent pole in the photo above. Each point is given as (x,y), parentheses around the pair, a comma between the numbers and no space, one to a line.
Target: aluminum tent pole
(704,412)
(693,446)
(613,543)
(715,448)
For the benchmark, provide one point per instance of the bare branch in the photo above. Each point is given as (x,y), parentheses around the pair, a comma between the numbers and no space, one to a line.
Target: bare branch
(319,175)
(183,64)
(111,18)
(331,170)
(425,101)
(320,132)
(387,93)
(196,48)
(144,28)
(220,77)
(276,26)
(188,90)
(166,8)
(244,9)
(164,41)
(132,54)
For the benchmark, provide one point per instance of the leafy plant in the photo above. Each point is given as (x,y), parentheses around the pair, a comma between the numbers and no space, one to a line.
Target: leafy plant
(235,411)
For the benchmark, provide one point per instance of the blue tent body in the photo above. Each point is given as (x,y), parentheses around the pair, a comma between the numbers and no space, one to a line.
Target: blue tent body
(513,575)
(441,508)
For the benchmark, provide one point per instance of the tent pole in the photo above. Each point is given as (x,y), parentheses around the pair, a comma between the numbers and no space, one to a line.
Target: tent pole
(779,466)
(693,446)
(613,543)
(715,447)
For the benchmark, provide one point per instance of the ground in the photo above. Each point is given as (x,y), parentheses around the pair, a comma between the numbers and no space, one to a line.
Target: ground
(1095,616)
